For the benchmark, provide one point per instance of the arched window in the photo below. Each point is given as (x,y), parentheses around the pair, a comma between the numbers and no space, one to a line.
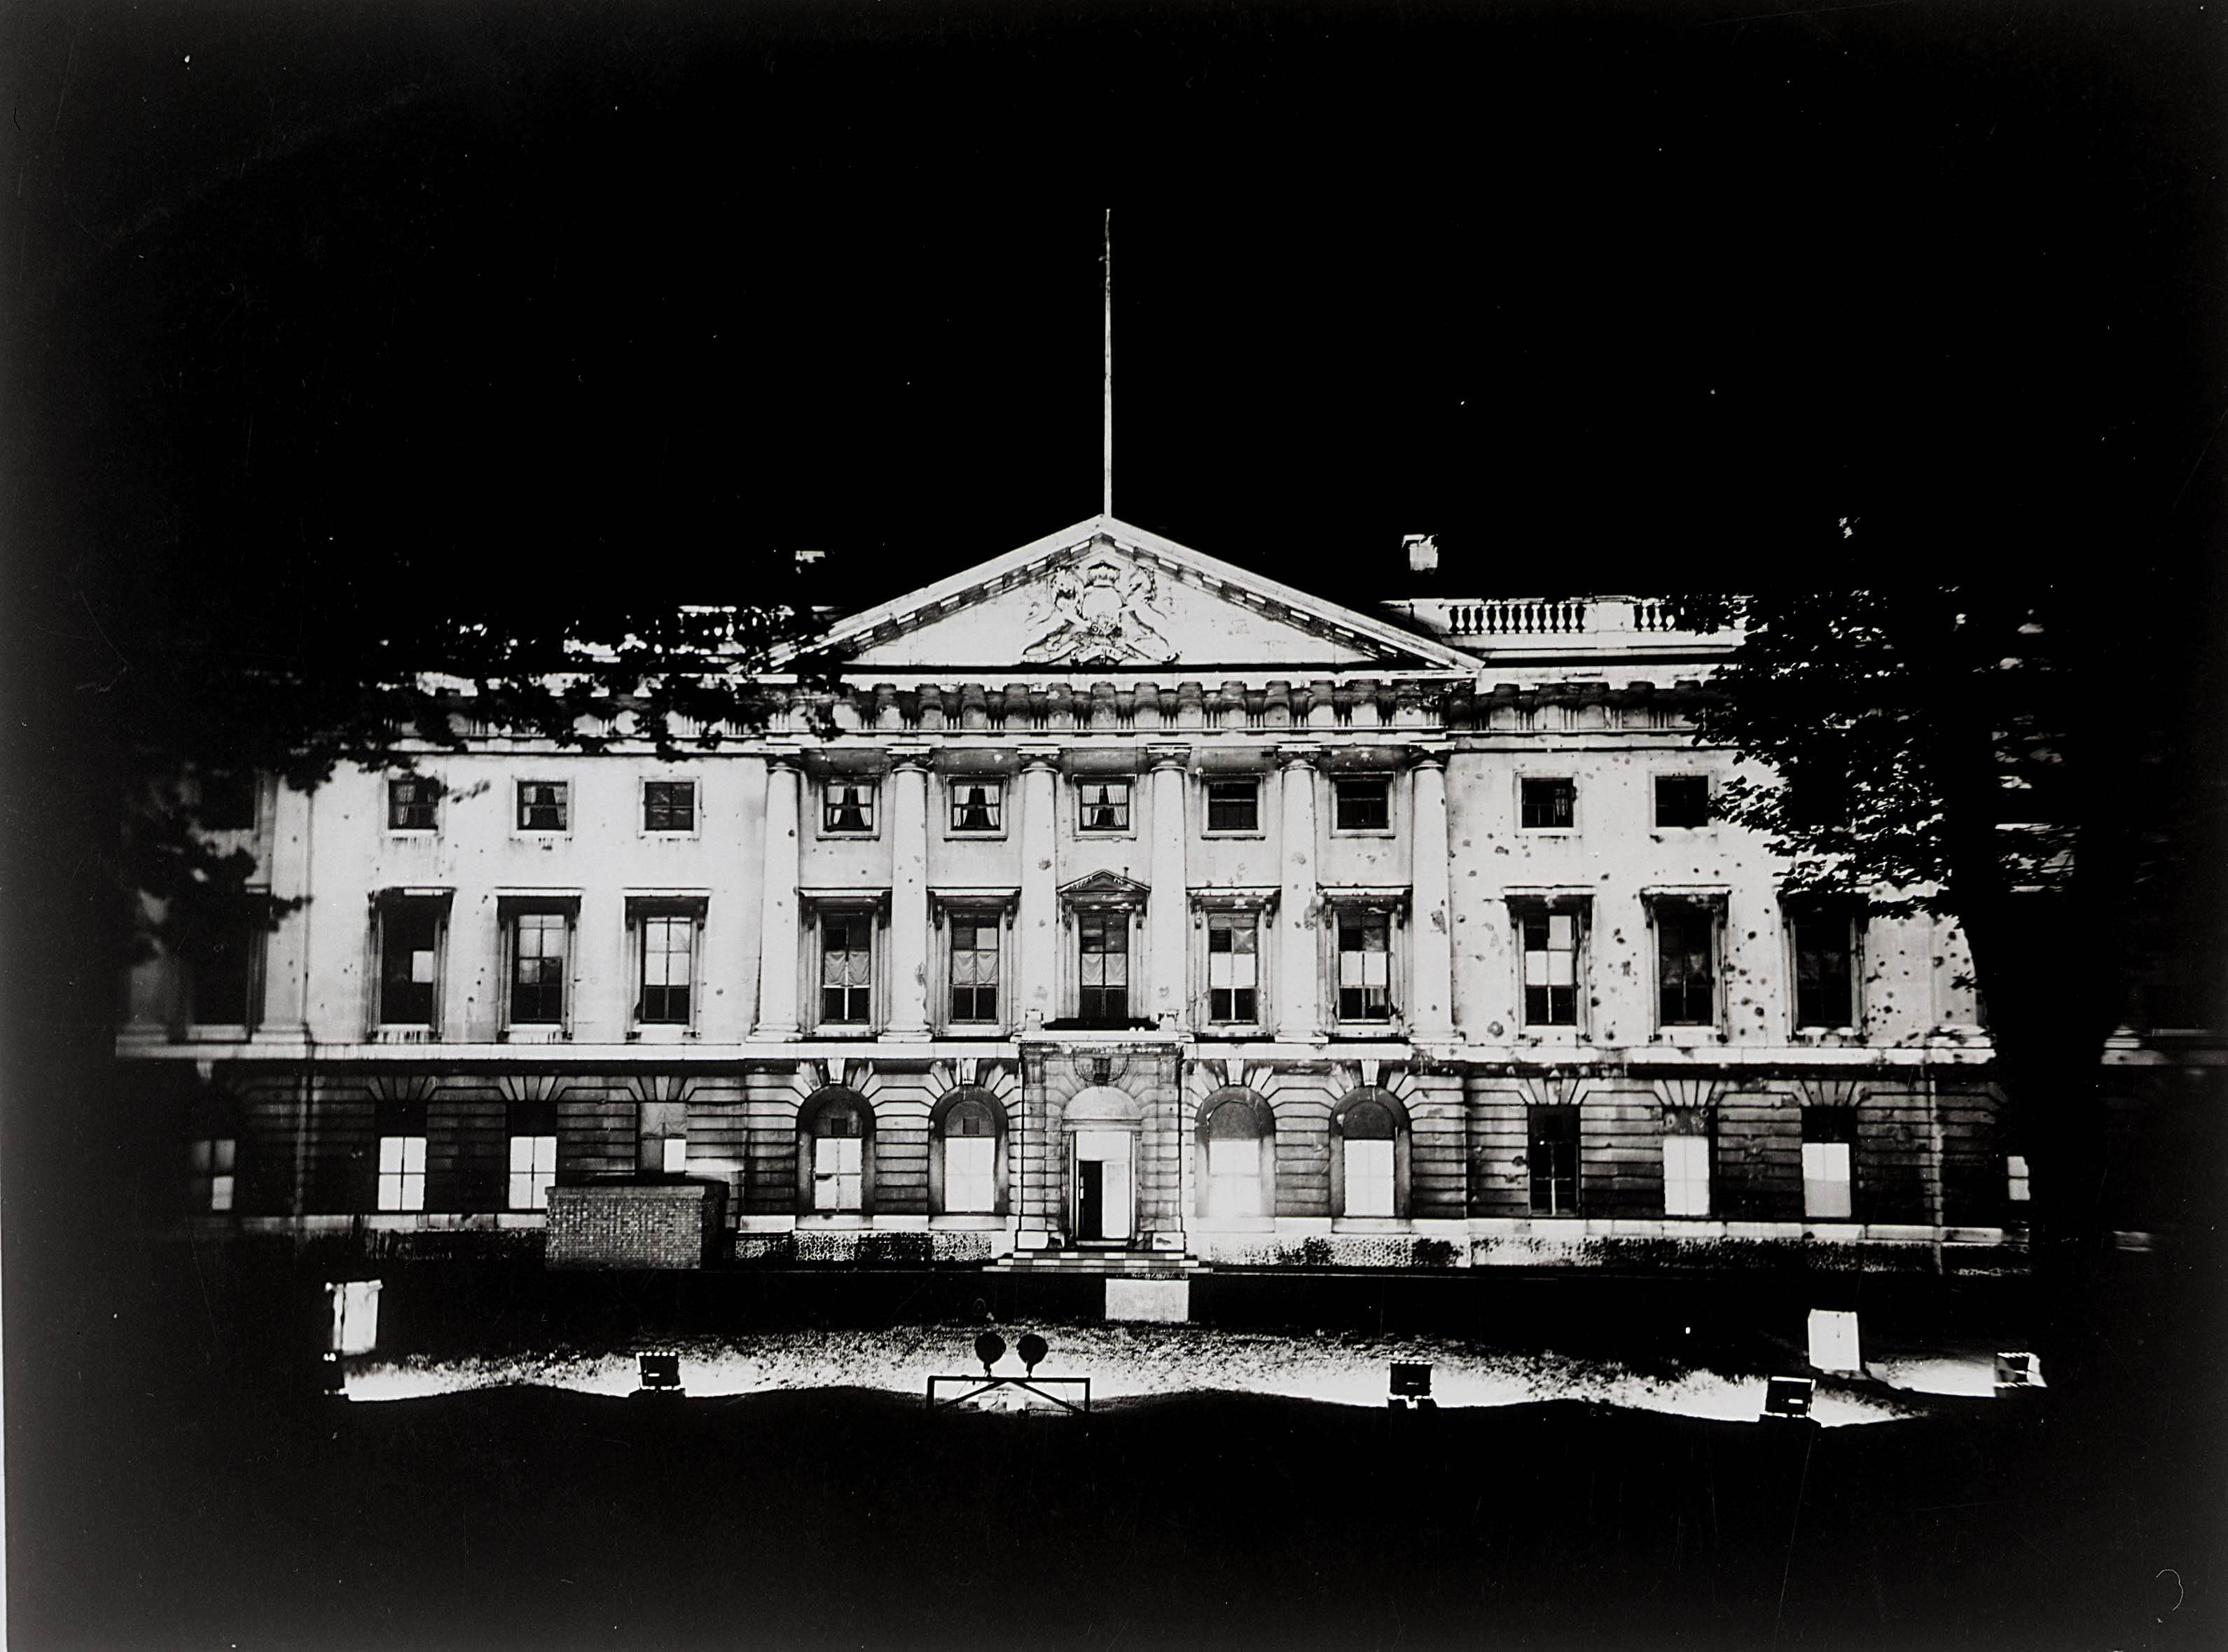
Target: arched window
(1369,1155)
(966,1170)
(836,1155)
(1238,1157)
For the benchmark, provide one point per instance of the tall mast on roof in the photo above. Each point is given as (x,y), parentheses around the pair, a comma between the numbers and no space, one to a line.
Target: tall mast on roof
(1106,497)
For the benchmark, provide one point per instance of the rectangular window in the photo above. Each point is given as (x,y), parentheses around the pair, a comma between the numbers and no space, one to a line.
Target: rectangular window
(402,1172)
(532,1171)
(1233,805)
(669,968)
(1234,1176)
(225,802)
(1822,973)
(1828,1134)
(544,805)
(210,1165)
(411,802)
(1686,980)
(838,1173)
(971,1173)
(537,967)
(847,969)
(1551,969)
(1102,806)
(1369,1176)
(1683,800)
(1233,975)
(1103,965)
(1363,805)
(1365,966)
(2015,1178)
(669,805)
(848,806)
(975,966)
(220,979)
(978,805)
(1552,1152)
(1686,1175)
(409,958)
(1548,806)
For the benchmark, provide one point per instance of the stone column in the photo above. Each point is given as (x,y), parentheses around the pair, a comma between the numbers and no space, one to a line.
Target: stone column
(1432,957)
(1037,925)
(908,972)
(778,952)
(1167,918)
(1299,1005)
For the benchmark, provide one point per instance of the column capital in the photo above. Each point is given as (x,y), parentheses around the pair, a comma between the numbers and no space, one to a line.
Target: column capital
(1299,757)
(790,757)
(1432,755)
(909,756)
(1168,756)
(1043,758)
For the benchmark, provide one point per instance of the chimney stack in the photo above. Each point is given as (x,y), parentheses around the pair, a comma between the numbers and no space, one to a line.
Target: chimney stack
(1423,552)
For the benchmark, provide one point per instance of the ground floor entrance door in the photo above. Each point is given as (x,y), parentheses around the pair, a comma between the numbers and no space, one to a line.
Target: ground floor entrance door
(1102,1213)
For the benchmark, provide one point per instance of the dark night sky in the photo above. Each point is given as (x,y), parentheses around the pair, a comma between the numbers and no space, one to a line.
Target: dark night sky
(465,304)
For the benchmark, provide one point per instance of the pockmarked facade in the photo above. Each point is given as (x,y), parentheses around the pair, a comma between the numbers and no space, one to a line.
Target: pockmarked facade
(1145,915)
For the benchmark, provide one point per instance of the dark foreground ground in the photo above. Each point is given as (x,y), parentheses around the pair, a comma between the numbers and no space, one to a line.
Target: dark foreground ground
(841,1517)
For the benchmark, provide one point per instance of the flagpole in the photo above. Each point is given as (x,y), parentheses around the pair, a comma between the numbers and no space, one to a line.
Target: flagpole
(1106,497)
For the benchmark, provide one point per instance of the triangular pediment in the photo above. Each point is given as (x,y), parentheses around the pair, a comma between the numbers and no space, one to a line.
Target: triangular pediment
(1105,888)
(1104,596)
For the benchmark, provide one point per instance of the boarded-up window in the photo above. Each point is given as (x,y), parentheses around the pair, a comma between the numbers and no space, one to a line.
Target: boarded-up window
(970,1159)
(532,1170)
(1369,1132)
(1686,1175)
(838,1165)
(1829,1137)
(1237,1142)
(402,1173)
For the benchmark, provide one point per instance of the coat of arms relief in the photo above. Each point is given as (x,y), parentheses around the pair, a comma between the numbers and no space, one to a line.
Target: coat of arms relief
(1101,612)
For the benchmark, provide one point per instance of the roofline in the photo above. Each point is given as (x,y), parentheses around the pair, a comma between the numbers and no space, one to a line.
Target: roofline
(1378,631)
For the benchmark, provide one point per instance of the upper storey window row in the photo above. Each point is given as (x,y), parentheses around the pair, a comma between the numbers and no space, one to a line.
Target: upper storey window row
(665,807)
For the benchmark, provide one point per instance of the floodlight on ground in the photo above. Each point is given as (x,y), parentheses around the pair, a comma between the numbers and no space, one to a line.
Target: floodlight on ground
(1788,1396)
(1411,1378)
(989,1347)
(2018,1370)
(1032,1349)
(661,1373)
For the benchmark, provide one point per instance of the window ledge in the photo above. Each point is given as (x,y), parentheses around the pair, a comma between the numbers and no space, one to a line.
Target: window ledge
(657,1032)
(531,1034)
(404,1035)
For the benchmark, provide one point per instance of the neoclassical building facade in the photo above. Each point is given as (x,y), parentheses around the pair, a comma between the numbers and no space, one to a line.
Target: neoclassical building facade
(1142,916)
